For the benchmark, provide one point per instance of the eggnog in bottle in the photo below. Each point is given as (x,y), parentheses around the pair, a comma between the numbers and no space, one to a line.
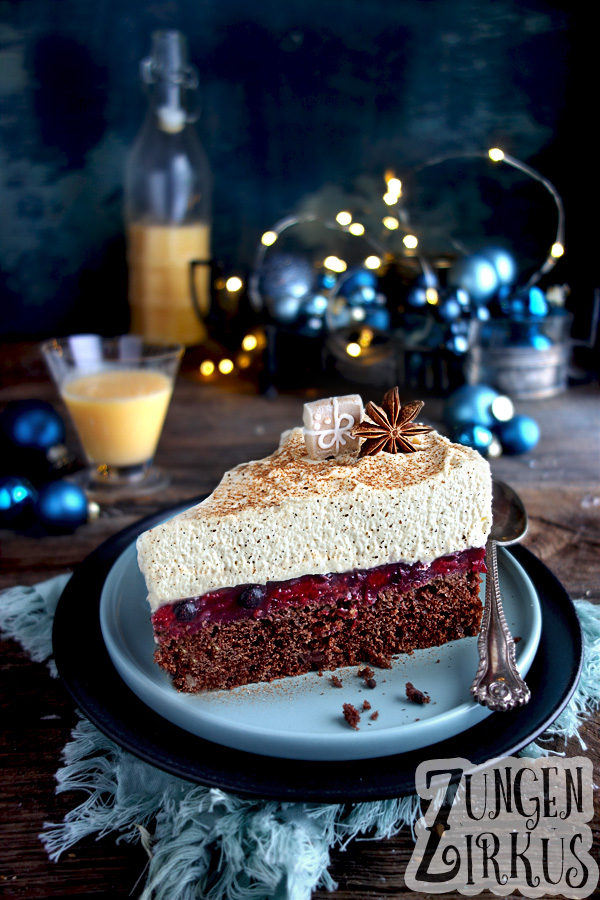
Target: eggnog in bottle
(167,204)
(160,276)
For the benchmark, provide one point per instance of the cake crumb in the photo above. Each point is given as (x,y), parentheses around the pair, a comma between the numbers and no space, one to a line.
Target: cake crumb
(370,683)
(351,715)
(517,639)
(336,682)
(414,695)
(366,672)
(374,715)
(366,705)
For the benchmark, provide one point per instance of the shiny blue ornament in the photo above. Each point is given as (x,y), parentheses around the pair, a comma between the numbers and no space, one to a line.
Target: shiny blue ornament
(17,502)
(364,296)
(536,303)
(477,276)
(516,307)
(32,425)
(504,264)
(458,343)
(428,280)
(315,306)
(378,318)
(285,281)
(62,506)
(519,435)
(470,434)
(449,309)
(471,404)
(355,280)
(417,297)
(326,281)
(314,325)
(541,342)
(463,298)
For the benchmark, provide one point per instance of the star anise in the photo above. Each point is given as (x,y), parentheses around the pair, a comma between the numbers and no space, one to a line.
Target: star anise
(391,427)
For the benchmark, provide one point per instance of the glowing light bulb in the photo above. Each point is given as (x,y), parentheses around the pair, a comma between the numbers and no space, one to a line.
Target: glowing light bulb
(410,241)
(268,238)
(343,217)
(225,366)
(244,360)
(496,154)
(357,229)
(391,223)
(207,367)
(557,250)
(365,337)
(372,262)
(394,186)
(431,295)
(353,349)
(390,198)
(234,284)
(250,342)
(335,264)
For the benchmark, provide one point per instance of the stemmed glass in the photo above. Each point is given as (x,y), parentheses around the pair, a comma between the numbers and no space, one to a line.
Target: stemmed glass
(117,391)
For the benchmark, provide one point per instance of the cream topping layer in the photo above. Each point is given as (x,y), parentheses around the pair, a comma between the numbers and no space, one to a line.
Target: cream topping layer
(287,515)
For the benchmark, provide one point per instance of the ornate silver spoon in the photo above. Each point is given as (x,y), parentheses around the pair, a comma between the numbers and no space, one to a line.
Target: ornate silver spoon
(497,683)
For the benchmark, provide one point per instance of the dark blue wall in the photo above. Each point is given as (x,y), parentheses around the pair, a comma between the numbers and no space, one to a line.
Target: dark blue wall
(295,95)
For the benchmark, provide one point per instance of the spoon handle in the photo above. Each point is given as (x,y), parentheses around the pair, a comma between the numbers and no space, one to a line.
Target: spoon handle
(497,683)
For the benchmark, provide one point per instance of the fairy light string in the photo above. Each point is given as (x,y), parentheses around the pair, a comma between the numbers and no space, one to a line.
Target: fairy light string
(397,219)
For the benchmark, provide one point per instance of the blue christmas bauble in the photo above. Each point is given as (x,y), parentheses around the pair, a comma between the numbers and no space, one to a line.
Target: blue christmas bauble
(428,279)
(377,318)
(417,297)
(463,298)
(312,326)
(32,425)
(471,404)
(458,343)
(363,296)
(326,281)
(477,276)
(473,435)
(518,435)
(536,303)
(449,309)
(541,341)
(515,307)
(315,306)
(356,280)
(285,281)
(17,501)
(62,506)
(504,264)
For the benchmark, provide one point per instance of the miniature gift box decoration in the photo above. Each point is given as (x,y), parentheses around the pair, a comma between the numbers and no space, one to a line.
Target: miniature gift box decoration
(328,424)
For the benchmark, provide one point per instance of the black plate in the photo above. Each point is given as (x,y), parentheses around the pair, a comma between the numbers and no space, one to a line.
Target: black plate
(86,669)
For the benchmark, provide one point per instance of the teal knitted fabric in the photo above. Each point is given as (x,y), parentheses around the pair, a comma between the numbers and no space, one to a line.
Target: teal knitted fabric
(202,842)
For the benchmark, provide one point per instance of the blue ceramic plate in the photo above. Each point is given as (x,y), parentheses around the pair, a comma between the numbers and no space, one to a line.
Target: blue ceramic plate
(301,718)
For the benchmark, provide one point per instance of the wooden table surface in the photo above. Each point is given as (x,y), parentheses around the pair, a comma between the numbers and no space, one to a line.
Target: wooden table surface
(209,428)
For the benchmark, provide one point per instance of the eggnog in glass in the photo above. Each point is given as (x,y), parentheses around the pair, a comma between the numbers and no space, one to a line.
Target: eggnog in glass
(117,392)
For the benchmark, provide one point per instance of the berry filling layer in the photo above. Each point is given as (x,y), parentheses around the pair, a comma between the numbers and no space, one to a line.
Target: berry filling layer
(345,590)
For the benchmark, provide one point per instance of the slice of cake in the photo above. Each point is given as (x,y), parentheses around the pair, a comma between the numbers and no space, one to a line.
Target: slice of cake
(296,563)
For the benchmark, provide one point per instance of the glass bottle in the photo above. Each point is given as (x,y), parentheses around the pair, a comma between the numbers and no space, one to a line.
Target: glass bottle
(167,203)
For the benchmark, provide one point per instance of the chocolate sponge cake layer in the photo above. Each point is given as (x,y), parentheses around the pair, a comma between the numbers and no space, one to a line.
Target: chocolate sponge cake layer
(296,640)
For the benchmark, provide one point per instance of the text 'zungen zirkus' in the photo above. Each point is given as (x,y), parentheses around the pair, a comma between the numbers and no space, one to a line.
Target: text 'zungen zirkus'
(517,824)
